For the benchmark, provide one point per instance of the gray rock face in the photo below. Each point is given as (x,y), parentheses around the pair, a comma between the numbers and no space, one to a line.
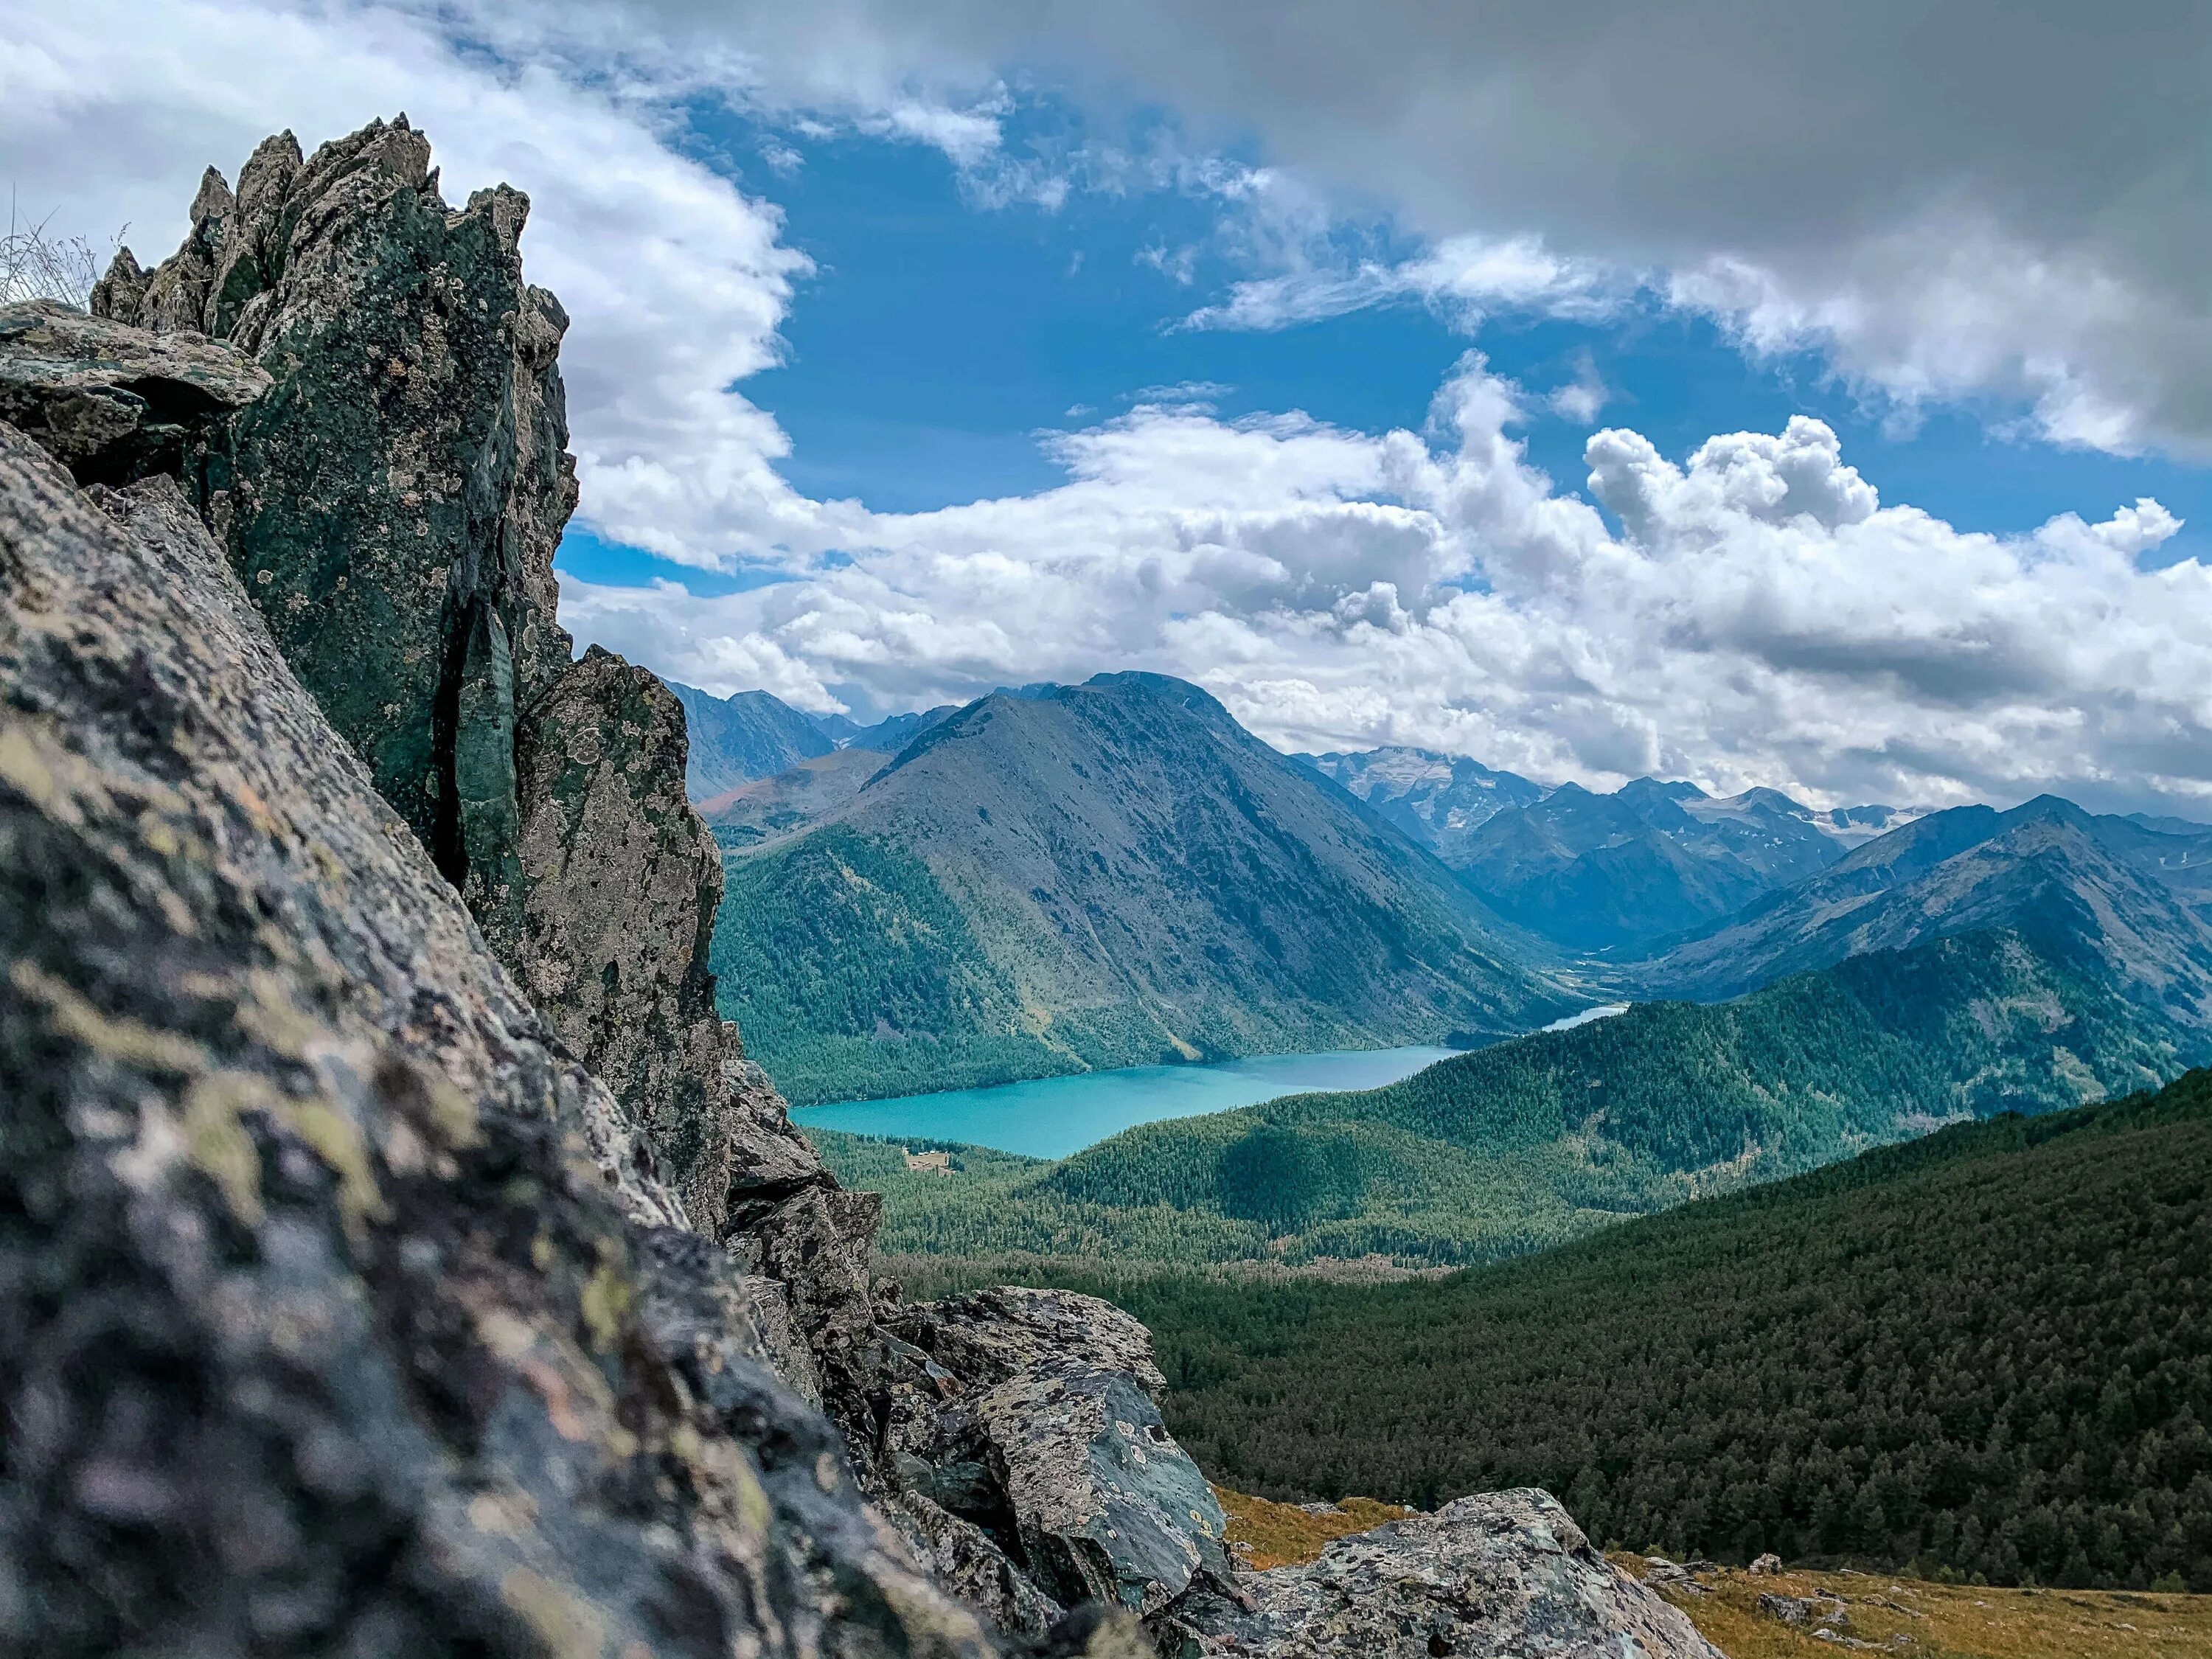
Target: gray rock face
(992,1336)
(113,403)
(1503,1576)
(1033,1421)
(343,1310)
(617,884)
(392,494)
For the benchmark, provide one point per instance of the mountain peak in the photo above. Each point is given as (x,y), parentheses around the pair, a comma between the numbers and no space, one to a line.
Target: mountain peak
(1636,788)
(1115,875)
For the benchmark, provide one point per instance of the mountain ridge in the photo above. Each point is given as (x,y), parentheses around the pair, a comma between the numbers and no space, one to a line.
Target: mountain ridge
(1951,872)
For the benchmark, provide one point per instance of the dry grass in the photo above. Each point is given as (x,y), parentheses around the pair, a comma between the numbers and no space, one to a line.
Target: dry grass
(1945,1621)
(1286,1534)
(1938,1622)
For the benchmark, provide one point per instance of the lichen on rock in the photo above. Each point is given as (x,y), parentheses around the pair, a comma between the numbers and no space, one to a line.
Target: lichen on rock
(337,1315)
(114,403)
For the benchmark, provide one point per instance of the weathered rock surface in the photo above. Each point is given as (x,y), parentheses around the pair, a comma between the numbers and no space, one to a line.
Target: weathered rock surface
(392,498)
(1034,1422)
(992,1336)
(114,403)
(617,884)
(1503,1576)
(343,1310)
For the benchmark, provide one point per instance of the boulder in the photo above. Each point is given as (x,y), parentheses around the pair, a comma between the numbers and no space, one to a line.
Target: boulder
(994,1335)
(345,1311)
(1103,1503)
(1502,1576)
(1764,1566)
(1030,1416)
(113,403)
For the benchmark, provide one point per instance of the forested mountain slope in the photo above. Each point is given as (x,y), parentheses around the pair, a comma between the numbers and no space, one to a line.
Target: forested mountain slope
(1530,1142)
(1989,1350)
(2132,891)
(1095,876)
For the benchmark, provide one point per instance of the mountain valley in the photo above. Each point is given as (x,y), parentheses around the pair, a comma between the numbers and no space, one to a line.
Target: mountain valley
(1085,878)
(1523,1145)
(1983,1353)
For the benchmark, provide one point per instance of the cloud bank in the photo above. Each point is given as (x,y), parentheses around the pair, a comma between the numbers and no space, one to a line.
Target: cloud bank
(1757,616)
(1748,613)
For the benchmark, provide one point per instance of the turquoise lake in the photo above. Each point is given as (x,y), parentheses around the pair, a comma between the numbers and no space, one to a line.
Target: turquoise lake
(1056,1116)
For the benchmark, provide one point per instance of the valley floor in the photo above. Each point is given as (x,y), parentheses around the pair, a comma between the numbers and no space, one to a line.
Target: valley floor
(1935,1622)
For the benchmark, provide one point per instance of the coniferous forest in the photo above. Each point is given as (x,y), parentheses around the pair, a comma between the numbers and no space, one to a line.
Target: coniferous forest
(1987,1353)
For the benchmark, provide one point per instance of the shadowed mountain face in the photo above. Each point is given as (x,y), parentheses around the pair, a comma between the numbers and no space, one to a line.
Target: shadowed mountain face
(2136,894)
(1597,872)
(738,738)
(1109,874)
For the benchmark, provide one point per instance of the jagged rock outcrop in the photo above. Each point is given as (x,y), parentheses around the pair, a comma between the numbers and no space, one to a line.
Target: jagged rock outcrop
(1035,1423)
(343,1310)
(370,1282)
(114,403)
(393,498)
(1502,1576)
(389,479)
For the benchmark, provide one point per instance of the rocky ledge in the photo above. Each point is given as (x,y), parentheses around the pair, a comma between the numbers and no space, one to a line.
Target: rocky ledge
(1502,1576)
(397,1253)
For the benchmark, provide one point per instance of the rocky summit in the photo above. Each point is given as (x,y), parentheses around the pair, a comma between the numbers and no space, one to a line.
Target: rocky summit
(398,1254)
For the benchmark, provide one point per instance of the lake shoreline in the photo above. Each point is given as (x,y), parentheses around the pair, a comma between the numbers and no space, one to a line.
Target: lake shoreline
(1053,1117)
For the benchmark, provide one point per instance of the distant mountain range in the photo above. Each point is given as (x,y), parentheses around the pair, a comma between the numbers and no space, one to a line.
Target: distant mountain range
(755,734)
(736,739)
(1062,878)
(1599,872)
(2141,895)
(1087,877)
(1972,963)
(1440,800)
